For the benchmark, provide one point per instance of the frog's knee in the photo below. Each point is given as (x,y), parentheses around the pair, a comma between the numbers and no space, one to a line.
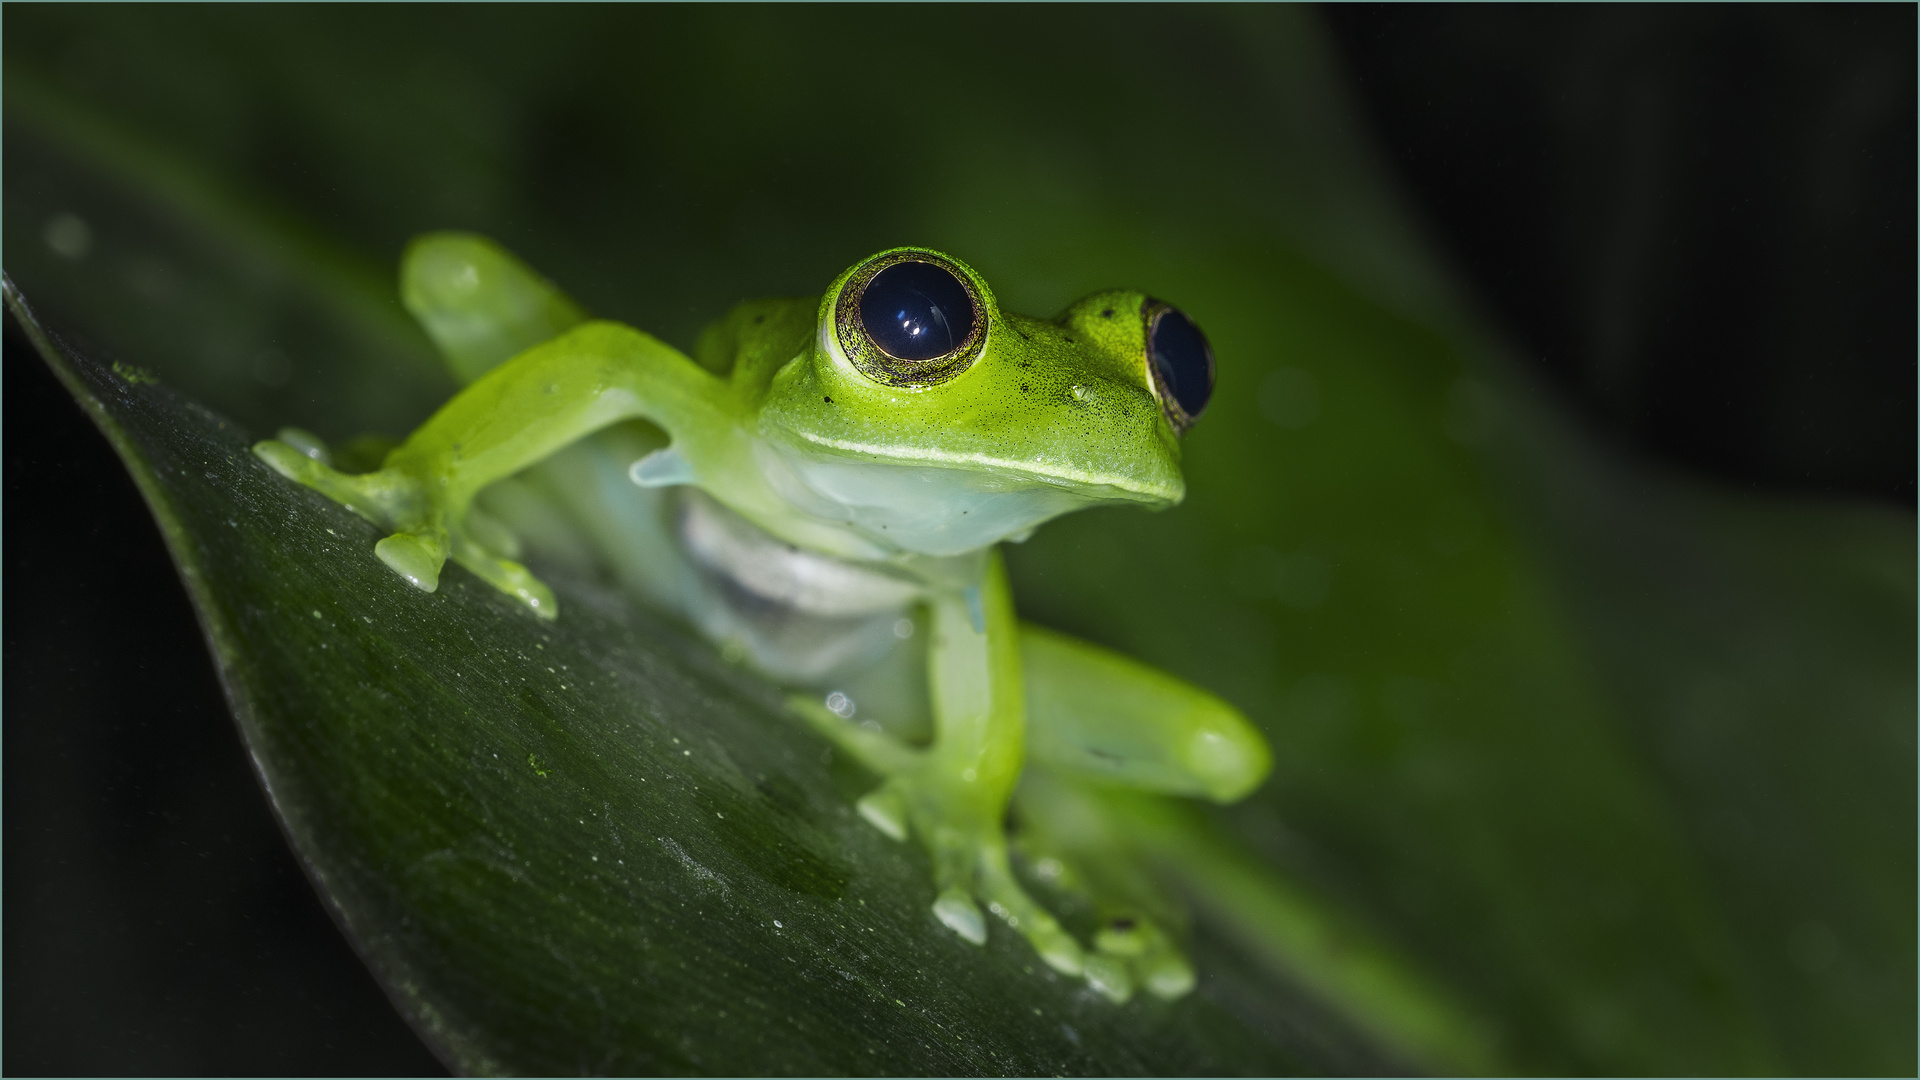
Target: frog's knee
(1227,755)
(479,303)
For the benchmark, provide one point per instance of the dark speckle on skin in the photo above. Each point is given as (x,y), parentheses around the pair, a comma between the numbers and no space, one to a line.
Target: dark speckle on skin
(1023,335)
(1023,388)
(829,401)
(1069,338)
(1107,314)
(758,319)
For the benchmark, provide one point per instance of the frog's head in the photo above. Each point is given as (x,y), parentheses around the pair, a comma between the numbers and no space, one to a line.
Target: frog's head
(920,404)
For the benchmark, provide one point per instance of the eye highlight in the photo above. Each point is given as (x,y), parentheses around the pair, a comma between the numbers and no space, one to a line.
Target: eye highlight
(910,318)
(1180,362)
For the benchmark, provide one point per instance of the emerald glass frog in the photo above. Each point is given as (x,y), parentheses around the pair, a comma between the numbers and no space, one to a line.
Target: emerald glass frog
(821,490)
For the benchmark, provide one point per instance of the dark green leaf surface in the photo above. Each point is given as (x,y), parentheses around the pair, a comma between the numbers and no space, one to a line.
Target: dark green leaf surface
(587,847)
(1620,764)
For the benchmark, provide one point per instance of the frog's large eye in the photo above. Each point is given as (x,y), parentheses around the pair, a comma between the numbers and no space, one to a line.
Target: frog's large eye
(910,318)
(916,311)
(1181,363)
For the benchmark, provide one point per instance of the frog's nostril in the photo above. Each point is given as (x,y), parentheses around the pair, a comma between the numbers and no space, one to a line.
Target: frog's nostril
(917,311)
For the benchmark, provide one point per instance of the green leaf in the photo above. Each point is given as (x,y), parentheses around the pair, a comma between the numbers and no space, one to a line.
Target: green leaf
(1617,761)
(589,846)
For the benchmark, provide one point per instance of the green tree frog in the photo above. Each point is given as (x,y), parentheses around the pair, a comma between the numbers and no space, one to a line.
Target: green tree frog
(821,490)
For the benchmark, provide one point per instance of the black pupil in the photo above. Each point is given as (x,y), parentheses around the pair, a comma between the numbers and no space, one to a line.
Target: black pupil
(1180,356)
(916,311)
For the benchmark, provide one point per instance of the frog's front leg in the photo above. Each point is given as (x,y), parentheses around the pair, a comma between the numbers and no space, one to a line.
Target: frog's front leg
(953,794)
(517,414)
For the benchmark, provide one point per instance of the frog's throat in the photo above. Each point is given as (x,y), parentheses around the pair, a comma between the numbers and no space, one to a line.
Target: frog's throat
(883,509)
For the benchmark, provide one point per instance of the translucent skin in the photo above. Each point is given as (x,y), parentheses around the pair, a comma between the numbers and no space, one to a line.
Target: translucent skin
(864,506)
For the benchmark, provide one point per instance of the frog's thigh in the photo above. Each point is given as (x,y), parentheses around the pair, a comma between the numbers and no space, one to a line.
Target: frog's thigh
(1093,712)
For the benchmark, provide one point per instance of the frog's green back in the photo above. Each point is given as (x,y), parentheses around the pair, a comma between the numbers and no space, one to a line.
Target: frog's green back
(753,340)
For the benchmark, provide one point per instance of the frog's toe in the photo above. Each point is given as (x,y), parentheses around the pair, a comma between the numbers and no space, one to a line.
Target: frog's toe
(306,442)
(1006,898)
(508,576)
(416,556)
(885,809)
(378,496)
(961,915)
(1109,976)
(291,461)
(1056,946)
(1168,975)
(518,582)
(1155,961)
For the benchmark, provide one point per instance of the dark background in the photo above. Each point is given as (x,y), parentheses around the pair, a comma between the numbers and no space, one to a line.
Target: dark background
(1697,222)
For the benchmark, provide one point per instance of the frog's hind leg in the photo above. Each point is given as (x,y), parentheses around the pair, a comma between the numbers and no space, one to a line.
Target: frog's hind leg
(1095,716)
(1007,898)
(1148,950)
(1067,844)
(480,303)
(875,749)
(885,807)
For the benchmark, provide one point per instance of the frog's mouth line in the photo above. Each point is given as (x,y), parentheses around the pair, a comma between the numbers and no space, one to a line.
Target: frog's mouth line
(1128,488)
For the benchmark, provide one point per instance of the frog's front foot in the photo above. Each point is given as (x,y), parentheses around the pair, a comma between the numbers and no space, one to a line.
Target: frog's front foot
(971,869)
(400,499)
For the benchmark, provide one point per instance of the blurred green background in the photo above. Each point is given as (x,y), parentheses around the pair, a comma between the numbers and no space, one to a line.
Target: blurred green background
(1623,758)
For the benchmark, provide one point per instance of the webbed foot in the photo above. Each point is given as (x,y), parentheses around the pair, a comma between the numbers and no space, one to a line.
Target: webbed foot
(1131,949)
(1082,862)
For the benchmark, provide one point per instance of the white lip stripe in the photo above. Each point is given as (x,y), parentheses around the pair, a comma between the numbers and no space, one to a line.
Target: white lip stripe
(1026,469)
